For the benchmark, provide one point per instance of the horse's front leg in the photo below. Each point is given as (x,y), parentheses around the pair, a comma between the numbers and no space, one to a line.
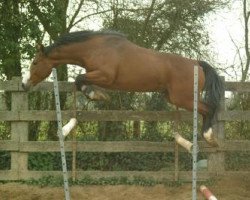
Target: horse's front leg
(91,91)
(102,78)
(95,93)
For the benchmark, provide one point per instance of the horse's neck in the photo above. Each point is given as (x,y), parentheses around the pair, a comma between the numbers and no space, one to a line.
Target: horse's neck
(65,55)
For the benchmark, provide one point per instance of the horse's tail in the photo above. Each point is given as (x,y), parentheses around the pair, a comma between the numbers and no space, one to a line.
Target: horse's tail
(213,91)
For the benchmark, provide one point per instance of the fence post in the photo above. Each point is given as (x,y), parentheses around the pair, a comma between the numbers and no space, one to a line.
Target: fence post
(216,161)
(19,131)
(3,106)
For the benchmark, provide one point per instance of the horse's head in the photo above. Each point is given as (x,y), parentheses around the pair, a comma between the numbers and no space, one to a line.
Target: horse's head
(40,69)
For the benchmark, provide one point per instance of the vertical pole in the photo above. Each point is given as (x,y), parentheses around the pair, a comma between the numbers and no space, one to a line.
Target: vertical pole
(195,130)
(176,146)
(74,143)
(60,135)
(19,160)
(176,161)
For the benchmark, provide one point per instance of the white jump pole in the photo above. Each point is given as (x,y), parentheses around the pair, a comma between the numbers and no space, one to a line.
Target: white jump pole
(207,193)
(69,126)
(183,142)
(195,131)
(60,135)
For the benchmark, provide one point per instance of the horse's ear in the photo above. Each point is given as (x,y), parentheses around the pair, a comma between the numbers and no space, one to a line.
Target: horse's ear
(40,48)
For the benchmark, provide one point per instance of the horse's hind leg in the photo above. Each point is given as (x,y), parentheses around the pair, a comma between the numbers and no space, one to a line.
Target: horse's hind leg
(202,109)
(207,130)
(186,101)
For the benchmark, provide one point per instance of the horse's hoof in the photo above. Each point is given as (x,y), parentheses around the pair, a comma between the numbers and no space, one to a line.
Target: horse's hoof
(91,95)
(97,96)
(210,138)
(83,88)
(213,142)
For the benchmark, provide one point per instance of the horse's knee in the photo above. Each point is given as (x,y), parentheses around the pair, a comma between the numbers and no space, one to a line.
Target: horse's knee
(80,82)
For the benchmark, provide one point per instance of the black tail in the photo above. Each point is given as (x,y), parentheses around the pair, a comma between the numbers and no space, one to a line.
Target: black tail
(213,91)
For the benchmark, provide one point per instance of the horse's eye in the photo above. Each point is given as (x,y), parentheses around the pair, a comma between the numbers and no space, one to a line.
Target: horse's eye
(34,63)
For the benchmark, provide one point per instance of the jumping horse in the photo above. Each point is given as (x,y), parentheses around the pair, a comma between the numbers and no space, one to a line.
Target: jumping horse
(113,62)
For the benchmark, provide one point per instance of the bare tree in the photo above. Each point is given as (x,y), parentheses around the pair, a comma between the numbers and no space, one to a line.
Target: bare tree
(242,100)
(245,68)
(242,55)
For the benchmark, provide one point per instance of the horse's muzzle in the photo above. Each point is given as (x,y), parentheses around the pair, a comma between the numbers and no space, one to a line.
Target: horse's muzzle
(26,81)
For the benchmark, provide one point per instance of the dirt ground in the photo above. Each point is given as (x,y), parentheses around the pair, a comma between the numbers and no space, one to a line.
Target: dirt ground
(223,188)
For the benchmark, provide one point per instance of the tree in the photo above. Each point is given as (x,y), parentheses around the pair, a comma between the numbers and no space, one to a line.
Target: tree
(242,100)
(16,31)
(10,50)
(175,26)
(245,68)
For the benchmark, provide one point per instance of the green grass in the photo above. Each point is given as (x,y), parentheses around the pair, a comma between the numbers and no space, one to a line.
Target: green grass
(87,180)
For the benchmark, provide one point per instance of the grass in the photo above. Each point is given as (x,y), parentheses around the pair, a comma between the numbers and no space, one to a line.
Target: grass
(53,181)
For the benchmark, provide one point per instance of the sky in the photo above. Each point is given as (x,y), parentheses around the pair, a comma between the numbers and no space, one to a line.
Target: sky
(224,26)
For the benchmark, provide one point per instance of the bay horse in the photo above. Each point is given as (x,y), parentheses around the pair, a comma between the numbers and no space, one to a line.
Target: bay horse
(113,62)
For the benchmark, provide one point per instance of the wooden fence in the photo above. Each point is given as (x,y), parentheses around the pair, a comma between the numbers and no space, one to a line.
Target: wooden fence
(20,147)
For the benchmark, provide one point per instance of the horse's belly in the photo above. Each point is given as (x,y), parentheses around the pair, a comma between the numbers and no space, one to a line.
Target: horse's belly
(138,84)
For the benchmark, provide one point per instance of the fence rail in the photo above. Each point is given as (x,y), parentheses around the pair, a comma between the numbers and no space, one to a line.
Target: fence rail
(118,146)
(115,115)
(20,147)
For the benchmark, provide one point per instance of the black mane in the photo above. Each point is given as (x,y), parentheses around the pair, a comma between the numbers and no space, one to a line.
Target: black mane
(78,36)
